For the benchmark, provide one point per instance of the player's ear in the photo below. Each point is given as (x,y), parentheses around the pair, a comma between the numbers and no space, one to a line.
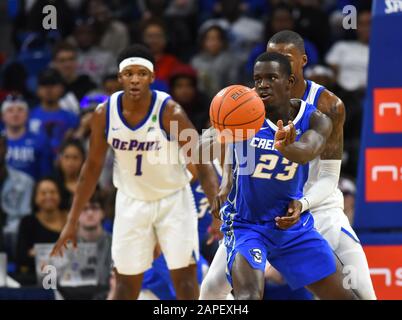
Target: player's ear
(152,77)
(291,80)
(305,60)
(119,78)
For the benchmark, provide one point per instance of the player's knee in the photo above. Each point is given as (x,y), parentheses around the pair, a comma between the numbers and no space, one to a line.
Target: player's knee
(126,290)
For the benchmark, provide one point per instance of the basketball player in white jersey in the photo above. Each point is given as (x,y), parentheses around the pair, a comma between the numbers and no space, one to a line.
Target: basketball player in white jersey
(154,203)
(322,195)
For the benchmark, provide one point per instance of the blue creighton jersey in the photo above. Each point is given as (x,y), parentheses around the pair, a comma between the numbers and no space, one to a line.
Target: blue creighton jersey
(265,181)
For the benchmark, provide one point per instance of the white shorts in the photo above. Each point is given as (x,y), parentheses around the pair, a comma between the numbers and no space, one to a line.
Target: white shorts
(330,223)
(139,225)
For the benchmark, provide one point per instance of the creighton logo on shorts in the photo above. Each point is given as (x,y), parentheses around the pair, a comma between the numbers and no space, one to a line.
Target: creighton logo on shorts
(256,253)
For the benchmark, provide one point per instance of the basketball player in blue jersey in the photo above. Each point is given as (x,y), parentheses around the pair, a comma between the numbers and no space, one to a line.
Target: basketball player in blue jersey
(153,201)
(321,194)
(269,173)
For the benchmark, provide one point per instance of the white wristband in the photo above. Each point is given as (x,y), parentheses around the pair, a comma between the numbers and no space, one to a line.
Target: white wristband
(305,204)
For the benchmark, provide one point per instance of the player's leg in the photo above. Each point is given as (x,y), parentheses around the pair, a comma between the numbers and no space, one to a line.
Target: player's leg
(307,260)
(332,287)
(128,287)
(132,245)
(183,282)
(355,266)
(176,229)
(248,282)
(216,286)
(334,226)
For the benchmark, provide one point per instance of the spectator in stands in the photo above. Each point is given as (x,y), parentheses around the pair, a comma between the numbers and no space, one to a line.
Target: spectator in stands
(76,86)
(71,159)
(48,118)
(183,88)
(112,34)
(92,60)
(44,226)
(215,65)
(154,36)
(349,59)
(111,84)
(26,151)
(280,19)
(322,75)
(90,230)
(313,23)
(15,197)
(244,32)
(14,82)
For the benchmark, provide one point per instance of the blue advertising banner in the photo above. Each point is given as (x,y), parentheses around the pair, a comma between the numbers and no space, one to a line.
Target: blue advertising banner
(379,198)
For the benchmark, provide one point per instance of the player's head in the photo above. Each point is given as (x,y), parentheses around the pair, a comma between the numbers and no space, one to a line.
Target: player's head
(273,79)
(291,45)
(136,70)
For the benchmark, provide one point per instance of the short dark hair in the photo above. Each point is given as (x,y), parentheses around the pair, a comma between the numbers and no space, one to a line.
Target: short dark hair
(277,57)
(136,50)
(288,37)
(63,46)
(72,142)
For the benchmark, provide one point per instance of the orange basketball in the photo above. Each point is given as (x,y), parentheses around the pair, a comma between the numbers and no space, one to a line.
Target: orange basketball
(237,112)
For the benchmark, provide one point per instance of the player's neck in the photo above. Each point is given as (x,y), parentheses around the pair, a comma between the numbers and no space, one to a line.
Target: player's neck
(283,112)
(143,103)
(299,88)
(15,133)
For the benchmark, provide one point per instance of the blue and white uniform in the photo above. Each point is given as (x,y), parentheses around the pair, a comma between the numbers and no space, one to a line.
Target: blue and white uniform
(264,182)
(154,201)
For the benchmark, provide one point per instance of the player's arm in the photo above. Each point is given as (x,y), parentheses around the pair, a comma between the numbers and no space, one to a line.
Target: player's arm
(331,157)
(88,178)
(311,144)
(330,163)
(188,139)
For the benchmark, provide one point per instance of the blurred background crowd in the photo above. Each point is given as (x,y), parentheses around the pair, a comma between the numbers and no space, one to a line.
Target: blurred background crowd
(51,81)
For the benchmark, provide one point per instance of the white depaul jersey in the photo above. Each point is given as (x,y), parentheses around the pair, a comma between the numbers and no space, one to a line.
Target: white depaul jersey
(335,200)
(147,165)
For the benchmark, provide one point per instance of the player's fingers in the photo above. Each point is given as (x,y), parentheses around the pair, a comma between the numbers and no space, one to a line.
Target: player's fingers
(280,124)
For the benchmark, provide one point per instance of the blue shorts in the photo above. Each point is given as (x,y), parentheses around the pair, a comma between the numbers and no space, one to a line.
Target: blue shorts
(299,253)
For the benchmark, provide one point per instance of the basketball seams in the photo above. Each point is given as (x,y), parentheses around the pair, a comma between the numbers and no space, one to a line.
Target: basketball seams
(239,124)
(237,107)
(223,98)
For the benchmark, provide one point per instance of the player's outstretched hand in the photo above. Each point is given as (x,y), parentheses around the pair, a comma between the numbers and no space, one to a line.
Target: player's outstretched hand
(284,135)
(214,231)
(292,215)
(69,233)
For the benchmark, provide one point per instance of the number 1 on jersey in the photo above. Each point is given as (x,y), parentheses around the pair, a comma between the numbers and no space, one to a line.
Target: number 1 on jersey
(138,171)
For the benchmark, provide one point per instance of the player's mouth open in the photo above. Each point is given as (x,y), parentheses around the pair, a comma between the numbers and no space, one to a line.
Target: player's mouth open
(134,91)
(265,95)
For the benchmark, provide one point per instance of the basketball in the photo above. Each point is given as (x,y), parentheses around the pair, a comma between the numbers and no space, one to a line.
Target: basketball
(237,112)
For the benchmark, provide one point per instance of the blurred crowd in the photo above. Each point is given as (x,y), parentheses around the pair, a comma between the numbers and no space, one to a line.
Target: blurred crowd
(52,80)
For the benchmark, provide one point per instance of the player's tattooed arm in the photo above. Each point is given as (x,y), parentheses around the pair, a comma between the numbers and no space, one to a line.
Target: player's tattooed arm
(179,127)
(312,143)
(88,178)
(333,107)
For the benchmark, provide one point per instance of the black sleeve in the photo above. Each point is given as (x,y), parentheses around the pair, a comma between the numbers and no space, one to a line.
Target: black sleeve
(25,244)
